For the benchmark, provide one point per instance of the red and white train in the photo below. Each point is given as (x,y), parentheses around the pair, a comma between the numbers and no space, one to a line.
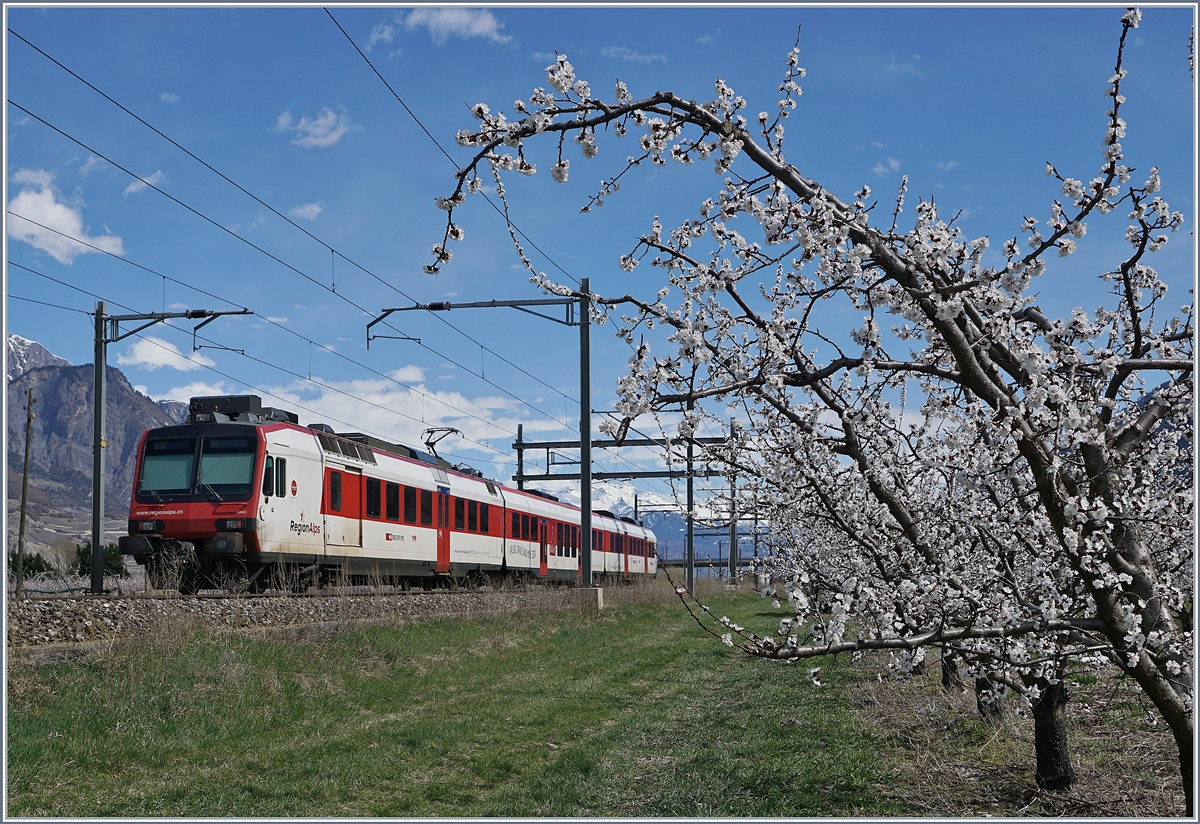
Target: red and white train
(242,492)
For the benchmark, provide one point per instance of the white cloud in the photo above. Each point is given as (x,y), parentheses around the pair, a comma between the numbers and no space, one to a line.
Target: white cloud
(34,177)
(168,97)
(371,406)
(38,202)
(275,319)
(153,180)
(383,33)
(152,353)
(90,165)
(881,169)
(464,23)
(629,55)
(705,40)
(326,129)
(185,393)
(543,56)
(309,211)
(894,69)
(947,166)
(876,144)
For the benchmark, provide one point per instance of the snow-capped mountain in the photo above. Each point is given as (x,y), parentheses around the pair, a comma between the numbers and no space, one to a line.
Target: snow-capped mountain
(23,354)
(617,498)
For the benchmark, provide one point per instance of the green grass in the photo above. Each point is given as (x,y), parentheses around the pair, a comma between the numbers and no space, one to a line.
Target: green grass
(634,713)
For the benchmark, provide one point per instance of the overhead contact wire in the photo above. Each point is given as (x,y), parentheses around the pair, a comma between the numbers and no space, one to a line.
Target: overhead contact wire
(281,262)
(264,318)
(248,357)
(275,211)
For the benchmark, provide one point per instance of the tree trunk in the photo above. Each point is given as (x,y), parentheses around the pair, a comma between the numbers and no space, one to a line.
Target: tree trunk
(1186,765)
(987,701)
(1054,770)
(951,679)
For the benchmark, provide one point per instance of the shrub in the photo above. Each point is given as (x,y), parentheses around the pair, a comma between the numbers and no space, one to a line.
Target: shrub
(33,564)
(114,562)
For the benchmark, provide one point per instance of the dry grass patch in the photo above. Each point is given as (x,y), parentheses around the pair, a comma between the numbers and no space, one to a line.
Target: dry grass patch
(946,763)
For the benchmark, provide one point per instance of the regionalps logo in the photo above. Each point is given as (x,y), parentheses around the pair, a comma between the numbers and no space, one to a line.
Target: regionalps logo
(302,528)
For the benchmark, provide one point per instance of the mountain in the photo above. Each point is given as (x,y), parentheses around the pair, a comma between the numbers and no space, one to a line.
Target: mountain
(23,354)
(60,461)
(177,411)
(61,449)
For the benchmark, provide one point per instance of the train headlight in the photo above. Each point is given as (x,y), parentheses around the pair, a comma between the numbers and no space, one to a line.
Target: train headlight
(148,526)
(236,525)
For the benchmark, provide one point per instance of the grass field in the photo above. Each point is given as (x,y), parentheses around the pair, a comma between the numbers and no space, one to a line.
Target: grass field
(632,713)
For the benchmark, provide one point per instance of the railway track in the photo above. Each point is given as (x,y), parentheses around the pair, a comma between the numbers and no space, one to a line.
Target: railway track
(45,622)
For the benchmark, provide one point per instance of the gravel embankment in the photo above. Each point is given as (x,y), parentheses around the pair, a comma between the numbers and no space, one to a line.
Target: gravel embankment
(36,622)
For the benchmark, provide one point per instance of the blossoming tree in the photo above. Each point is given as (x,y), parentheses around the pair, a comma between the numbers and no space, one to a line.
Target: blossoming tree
(1039,507)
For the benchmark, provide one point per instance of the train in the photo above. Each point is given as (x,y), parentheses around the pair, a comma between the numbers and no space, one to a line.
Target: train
(241,495)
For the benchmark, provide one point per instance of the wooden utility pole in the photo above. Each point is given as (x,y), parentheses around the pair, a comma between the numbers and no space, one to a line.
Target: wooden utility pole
(20,566)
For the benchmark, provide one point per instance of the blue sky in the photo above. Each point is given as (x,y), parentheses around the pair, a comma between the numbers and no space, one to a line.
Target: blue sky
(970,103)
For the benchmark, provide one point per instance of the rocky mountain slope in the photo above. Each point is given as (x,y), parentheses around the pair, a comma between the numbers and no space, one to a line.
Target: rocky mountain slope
(23,354)
(60,477)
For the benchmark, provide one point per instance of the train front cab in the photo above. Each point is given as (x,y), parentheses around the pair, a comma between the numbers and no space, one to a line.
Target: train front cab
(194,494)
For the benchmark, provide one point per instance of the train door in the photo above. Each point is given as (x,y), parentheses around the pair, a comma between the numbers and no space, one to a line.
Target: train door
(544,554)
(442,519)
(343,506)
(626,540)
(354,506)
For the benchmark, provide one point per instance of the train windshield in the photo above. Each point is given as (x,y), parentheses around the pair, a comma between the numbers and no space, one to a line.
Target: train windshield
(180,469)
(227,467)
(167,468)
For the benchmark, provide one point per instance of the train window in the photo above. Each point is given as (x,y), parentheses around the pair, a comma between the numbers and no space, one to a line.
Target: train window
(226,469)
(515,531)
(391,495)
(335,491)
(483,519)
(460,513)
(472,516)
(525,527)
(559,542)
(574,542)
(281,489)
(374,487)
(426,507)
(410,505)
(269,478)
